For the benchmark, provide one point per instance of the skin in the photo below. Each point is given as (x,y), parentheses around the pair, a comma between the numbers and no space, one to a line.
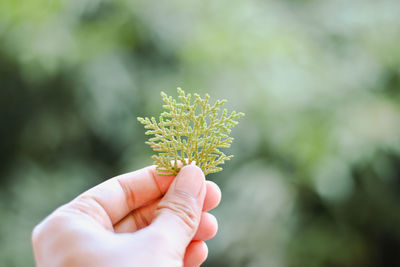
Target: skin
(135,219)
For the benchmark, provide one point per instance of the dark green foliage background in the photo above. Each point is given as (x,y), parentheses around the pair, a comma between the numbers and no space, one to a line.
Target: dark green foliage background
(316,176)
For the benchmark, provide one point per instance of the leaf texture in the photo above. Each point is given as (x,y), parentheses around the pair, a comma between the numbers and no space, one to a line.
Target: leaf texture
(190,131)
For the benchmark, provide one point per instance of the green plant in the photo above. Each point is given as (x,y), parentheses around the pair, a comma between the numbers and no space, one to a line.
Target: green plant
(190,133)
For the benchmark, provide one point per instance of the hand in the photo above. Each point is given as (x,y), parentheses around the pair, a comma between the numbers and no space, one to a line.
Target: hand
(136,219)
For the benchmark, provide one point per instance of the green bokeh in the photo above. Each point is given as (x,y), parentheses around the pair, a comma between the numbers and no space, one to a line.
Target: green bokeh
(316,176)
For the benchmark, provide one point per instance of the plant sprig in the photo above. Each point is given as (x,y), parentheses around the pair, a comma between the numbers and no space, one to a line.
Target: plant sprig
(190,132)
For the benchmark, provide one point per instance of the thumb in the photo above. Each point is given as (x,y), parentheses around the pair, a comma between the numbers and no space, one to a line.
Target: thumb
(178,213)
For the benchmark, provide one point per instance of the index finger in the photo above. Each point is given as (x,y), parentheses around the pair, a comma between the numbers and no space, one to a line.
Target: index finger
(120,195)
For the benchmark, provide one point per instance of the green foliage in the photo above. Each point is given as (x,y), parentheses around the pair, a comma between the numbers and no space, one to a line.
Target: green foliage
(190,133)
(319,82)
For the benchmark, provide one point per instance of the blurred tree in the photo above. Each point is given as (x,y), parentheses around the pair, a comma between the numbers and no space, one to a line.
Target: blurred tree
(315,180)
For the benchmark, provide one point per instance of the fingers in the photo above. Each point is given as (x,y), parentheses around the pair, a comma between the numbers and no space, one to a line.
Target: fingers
(178,213)
(143,216)
(120,195)
(196,254)
(137,219)
(213,196)
(208,227)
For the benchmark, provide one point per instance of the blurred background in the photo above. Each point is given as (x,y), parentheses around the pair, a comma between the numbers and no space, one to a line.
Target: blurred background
(316,176)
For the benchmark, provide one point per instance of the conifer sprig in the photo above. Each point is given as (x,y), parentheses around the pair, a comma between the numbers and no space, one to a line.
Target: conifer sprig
(190,132)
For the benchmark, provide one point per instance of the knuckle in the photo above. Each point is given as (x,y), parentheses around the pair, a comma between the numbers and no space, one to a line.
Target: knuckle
(128,193)
(46,232)
(183,210)
(140,219)
(53,221)
(88,206)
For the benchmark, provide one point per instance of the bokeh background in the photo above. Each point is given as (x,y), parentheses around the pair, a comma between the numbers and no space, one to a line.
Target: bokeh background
(316,176)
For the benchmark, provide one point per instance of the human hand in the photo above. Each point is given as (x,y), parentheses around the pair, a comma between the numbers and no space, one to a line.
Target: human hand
(136,219)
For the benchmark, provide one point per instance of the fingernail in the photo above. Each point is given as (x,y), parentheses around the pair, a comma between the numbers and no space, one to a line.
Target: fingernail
(190,180)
